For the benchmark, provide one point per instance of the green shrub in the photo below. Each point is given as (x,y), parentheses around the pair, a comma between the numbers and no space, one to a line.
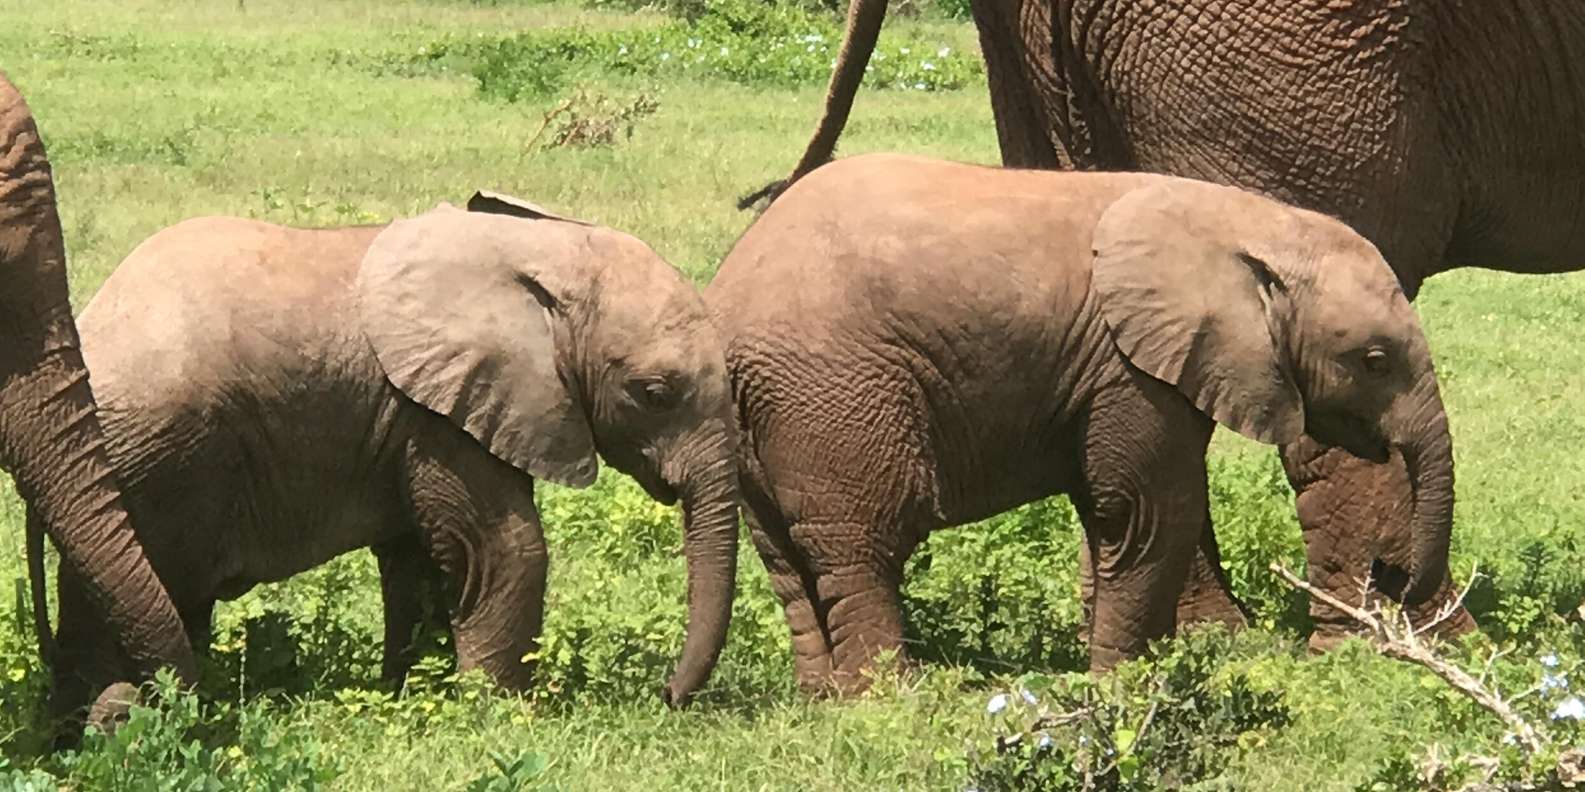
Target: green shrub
(1001,595)
(181,743)
(1163,723)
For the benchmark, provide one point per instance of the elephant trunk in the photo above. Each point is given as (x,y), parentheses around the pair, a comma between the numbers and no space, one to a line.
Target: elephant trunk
(1428,455)
(710,535)
(50,438)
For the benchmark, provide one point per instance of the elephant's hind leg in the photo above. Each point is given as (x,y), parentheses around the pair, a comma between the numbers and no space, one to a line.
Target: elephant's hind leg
(858,599)
(412,591)
(794,586)
(1207,598)
(477,516)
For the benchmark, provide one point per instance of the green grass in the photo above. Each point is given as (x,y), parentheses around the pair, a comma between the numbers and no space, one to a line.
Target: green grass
(321,113)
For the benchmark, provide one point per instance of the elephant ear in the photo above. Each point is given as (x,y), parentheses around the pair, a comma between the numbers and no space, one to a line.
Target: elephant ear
(464,313)
(1192,279)
(503,204)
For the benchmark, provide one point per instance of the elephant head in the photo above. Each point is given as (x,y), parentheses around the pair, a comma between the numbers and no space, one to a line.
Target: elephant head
(1277,322)
(550,340)
(50,438)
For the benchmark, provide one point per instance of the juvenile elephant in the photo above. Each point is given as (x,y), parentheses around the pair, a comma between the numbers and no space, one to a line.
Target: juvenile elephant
(50,437)
(1431,127)
(915,344)
(274,397)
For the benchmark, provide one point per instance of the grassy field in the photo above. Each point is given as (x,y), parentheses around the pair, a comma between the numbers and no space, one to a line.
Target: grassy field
(340,111)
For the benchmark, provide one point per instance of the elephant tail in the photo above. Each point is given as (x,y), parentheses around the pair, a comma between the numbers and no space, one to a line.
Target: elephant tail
(858,43)
(36,581)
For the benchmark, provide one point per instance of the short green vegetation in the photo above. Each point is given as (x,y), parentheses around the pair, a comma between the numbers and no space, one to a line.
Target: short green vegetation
(655,120)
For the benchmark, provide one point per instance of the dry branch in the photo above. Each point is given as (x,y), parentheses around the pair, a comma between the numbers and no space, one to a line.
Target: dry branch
(1402,642)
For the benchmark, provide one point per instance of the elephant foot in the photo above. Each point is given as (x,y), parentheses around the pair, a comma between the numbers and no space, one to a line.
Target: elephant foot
(113,707)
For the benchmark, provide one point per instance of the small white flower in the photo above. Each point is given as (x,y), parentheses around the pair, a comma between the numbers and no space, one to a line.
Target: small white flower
(927,66)
(810,48)
(723,50)
(903,50)
(919,86)
(1027,696)
(1571,708)
(997,703)
(693,43)
(1044,741)
(665,56)
(622,50)
(1553,682)
(943,52)
(1549,660)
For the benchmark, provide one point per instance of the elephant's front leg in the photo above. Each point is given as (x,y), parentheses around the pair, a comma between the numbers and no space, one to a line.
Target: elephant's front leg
(1207,597)
(478,520)
(1142,500)
(412,590)
(1353,512)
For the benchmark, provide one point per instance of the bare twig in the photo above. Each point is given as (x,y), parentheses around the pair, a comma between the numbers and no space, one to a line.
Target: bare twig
(550,116)
(1402,643)
(1449,608)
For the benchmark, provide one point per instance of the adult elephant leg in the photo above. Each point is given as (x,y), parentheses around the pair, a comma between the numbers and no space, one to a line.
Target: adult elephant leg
(1354,512)
(477,516)
(1015,74)
(411,588)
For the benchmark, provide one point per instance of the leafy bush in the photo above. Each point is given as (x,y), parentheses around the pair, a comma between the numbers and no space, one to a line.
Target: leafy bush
(1550,699)
(181,743)
(1163,723)
(1002,594)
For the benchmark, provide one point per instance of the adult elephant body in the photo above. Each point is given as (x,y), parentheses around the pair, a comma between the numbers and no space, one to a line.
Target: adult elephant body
(50,438)
(274,397)
(915,344)
(1446,132)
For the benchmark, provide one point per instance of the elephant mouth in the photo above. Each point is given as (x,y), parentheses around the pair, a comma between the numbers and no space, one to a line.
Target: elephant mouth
(657,489)
(1351,434)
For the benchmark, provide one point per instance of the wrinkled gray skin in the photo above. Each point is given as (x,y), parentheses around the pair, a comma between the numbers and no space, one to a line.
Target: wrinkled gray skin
(915,344)
(50,439)
(1431,127)
(274,397)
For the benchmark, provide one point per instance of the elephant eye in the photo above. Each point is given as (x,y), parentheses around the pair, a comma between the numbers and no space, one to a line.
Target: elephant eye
(1375,362)
(652,393)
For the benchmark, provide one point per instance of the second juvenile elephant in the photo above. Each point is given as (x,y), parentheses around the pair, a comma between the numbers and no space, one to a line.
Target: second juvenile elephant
(915,344)
(1431,127)
(274,397)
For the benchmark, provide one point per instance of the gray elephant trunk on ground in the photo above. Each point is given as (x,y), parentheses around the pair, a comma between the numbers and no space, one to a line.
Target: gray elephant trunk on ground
(710,535)
(50,438)
(1427,452)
